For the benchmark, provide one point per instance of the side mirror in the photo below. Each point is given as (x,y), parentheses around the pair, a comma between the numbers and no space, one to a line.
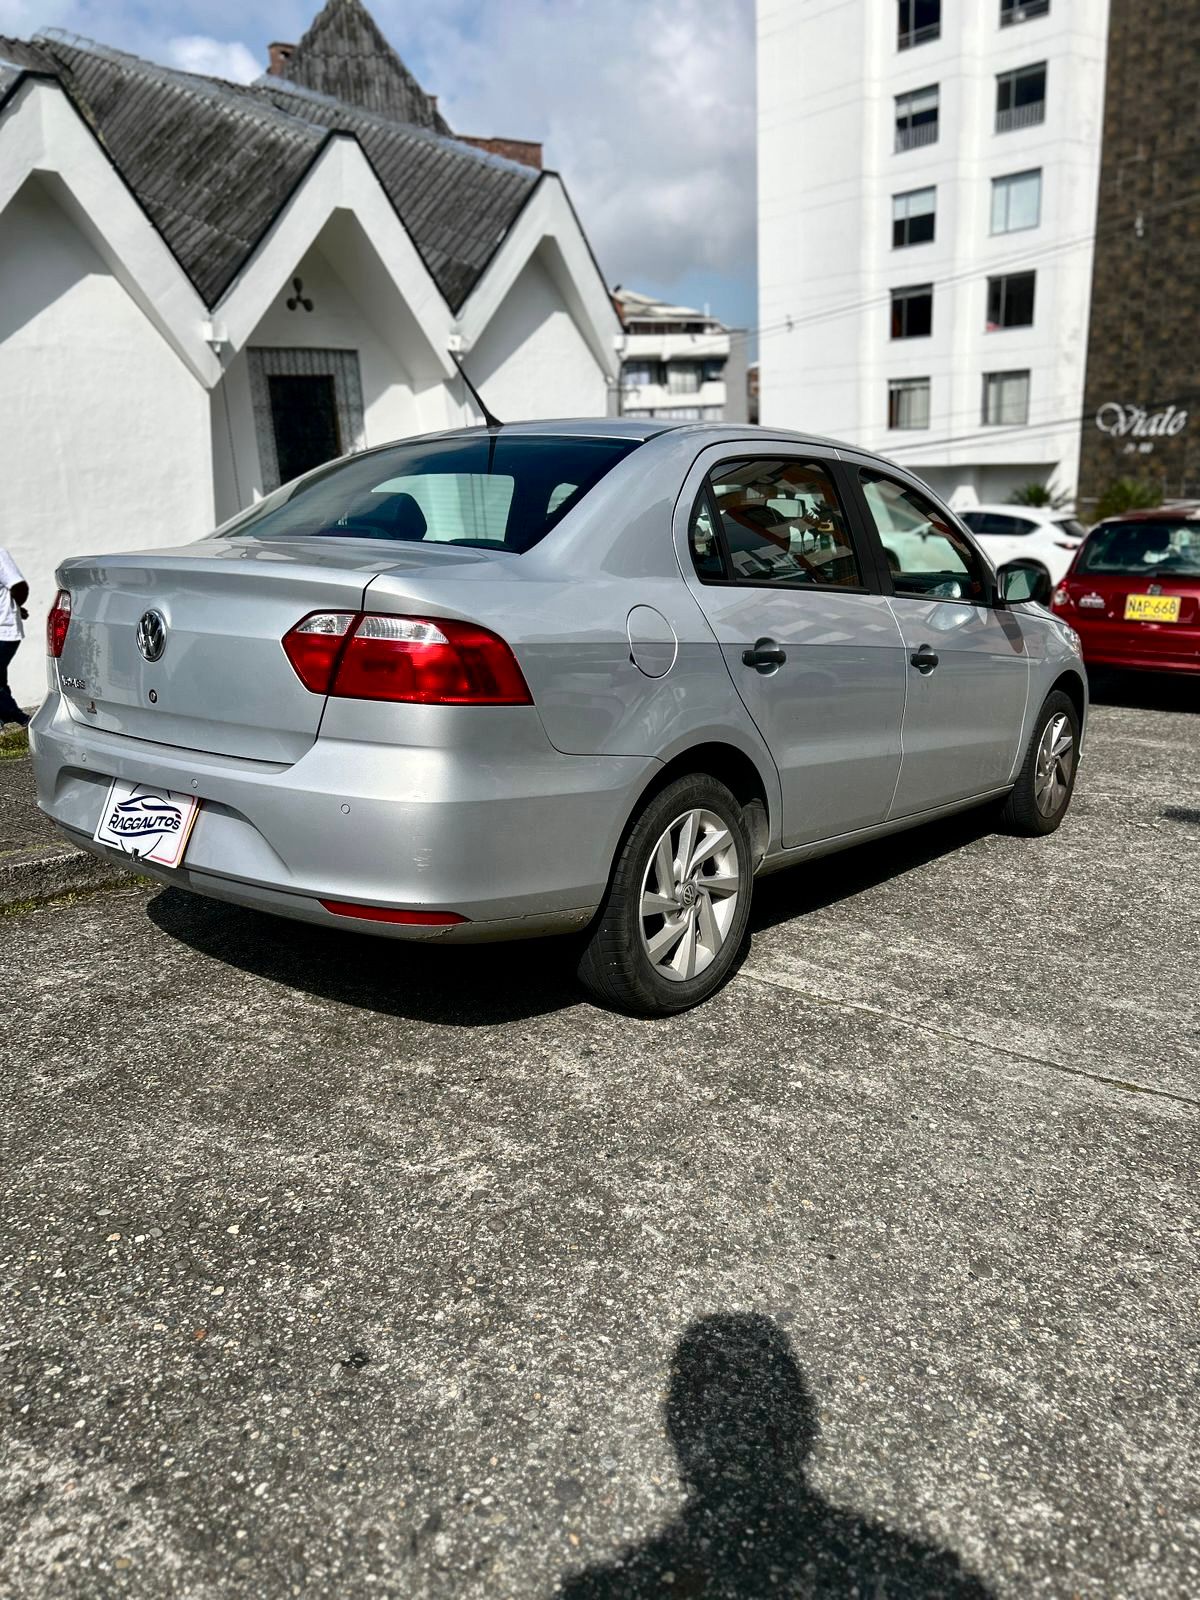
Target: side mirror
(1024,580)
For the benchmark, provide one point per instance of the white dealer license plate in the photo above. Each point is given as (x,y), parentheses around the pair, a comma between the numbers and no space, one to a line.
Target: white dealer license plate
(152,824)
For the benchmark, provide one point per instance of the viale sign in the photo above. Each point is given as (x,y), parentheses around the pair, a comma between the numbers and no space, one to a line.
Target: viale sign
(1136,423)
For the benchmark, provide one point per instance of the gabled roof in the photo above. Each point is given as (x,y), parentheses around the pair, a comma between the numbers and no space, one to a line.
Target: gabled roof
(214,163)
(344,55)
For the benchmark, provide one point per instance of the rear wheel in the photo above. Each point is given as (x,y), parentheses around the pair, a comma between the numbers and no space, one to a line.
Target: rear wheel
(678,904)
(1043,791)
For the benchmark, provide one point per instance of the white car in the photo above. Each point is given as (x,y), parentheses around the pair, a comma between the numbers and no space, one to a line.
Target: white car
(1036,534)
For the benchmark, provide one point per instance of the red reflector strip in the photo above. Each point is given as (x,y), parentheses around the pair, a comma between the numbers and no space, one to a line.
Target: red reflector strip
(412,919)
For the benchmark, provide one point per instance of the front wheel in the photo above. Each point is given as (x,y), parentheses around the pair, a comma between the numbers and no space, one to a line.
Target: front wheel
(678,904)
(1043,791)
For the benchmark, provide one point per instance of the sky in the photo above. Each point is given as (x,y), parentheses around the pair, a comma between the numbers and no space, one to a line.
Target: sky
(646,107)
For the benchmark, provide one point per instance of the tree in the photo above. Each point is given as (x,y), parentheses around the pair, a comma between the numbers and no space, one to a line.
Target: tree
(1127,494)
(1037,494)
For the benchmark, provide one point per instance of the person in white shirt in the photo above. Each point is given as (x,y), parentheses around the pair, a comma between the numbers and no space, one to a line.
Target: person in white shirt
(14,592)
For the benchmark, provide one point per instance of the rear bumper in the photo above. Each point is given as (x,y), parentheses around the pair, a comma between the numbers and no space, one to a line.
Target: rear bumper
(1139,647)
(516,837)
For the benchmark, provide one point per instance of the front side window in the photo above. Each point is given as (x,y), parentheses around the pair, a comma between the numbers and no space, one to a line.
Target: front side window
(920,21)
(914,215)
(1016,201)
(1010,301)
(489,490)
(912,311)
(1021,11)
(1005,398)
(781,522)
(926,554)
(1021,98)
(917,118)
(1167,548)
(908,403)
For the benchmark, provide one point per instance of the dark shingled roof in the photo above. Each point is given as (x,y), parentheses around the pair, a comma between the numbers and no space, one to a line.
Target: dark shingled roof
(344,55)
(213,163)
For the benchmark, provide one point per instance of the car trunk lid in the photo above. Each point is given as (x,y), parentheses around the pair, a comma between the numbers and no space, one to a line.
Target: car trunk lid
(222,683)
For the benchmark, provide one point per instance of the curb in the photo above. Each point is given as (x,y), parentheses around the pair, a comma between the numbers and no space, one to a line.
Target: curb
(44,872)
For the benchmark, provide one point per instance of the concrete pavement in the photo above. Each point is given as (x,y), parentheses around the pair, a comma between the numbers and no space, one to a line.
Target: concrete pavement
(333,1267)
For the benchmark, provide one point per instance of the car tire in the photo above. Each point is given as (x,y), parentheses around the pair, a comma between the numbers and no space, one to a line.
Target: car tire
(688,852)
(1043,790)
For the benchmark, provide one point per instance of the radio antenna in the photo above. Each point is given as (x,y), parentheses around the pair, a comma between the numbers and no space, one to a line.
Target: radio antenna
(489,419)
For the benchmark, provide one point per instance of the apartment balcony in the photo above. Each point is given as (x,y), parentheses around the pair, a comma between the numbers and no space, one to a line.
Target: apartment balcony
(913,138)
(660,397)
(677,346)
(1021,117)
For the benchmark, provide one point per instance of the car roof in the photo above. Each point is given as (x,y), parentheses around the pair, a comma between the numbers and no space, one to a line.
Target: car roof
(1181,510)
(639,429)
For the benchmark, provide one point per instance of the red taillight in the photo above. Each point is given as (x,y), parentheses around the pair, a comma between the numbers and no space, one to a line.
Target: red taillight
(1062,596)
(314,644)
(419,660)
(57,624)
(410,919)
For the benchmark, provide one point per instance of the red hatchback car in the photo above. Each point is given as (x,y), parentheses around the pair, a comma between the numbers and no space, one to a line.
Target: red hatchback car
(1133,591)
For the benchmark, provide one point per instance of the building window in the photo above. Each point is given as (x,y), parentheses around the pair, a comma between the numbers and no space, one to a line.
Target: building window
(913,217)
(1016,202)
(920,21)
(1005,398)
(1021,98)
(917,118)
(683,377)
(912,311)
(908,403)
(1010,301)
(308,409)
(1021,11)
(712,371)
(642,374)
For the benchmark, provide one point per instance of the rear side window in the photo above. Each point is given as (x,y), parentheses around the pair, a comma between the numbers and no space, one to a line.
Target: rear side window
(489,491)
(998,524)
(777,521)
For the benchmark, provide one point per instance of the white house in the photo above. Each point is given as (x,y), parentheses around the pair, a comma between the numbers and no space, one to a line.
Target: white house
(927,207)
(678,362)
(205,287)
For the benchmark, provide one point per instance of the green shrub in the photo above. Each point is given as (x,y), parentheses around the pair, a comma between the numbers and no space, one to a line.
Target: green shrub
(1127,494)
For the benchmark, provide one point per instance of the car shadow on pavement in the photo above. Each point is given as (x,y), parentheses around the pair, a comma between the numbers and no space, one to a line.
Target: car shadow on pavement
(1145,691)
(813,885)
(466,986)
(743,1423)
(483,985)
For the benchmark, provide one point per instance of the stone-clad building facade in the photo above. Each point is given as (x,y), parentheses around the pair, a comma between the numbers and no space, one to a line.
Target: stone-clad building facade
(1142,397)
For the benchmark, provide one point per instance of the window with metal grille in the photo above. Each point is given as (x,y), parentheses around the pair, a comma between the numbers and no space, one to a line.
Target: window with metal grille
(908,403)
(1016,201)
(917,118)
(914,214)
(1010,301)
(1005,398)
(912,311)
(1021,11)
(1021,98)
(920,21)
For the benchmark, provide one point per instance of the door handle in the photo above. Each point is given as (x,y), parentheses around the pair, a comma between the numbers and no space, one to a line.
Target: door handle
(765,656)
(924,658)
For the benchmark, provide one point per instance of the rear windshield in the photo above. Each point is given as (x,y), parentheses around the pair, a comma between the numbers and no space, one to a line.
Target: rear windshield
(1072,528)
(1166,547)
(487,491)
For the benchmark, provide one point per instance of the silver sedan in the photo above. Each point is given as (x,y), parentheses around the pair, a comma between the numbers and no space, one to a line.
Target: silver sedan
(591,676)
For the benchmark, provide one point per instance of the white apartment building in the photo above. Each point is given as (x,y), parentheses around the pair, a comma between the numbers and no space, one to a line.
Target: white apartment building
(927,177)
(678,362)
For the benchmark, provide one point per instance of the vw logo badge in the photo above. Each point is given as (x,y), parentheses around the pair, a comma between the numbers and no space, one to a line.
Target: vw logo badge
(152,635)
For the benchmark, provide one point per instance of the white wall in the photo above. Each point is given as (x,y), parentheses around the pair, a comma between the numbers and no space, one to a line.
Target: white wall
(532,360)
(104,434)
(827,174)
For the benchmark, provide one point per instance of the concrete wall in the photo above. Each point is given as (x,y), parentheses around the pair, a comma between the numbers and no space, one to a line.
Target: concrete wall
(104,434)
(828,170)
(532,360)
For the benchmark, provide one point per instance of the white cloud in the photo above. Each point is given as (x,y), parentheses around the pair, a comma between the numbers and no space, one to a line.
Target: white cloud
(195,52)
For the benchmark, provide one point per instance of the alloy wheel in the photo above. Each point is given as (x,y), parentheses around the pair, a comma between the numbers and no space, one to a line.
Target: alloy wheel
(689,895)
(1055,763)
